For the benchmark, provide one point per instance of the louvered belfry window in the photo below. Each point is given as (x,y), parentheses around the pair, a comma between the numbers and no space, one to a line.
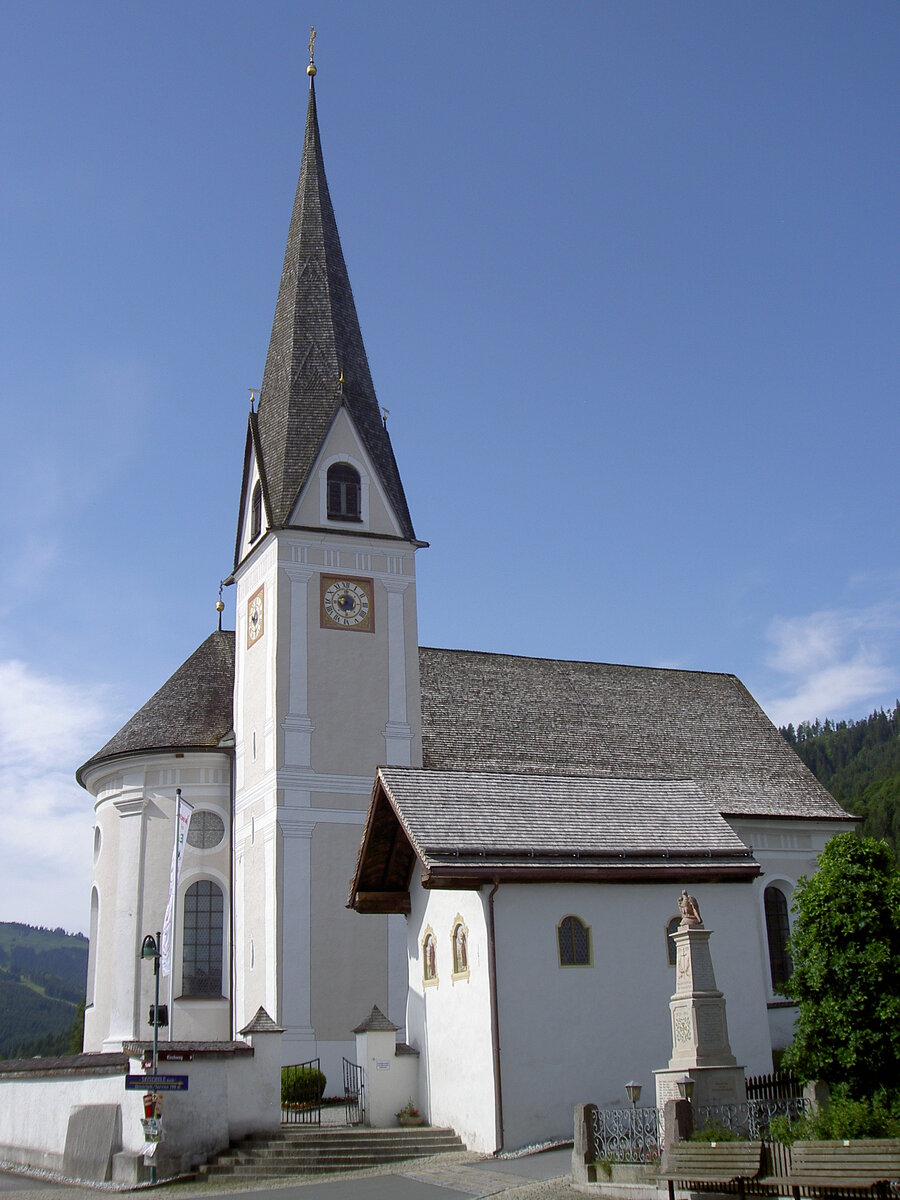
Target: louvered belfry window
(256,513)
(574,943)
(343,493)
(204,910)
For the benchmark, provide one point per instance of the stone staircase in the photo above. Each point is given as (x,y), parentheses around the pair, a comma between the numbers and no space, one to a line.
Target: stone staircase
(320,1151)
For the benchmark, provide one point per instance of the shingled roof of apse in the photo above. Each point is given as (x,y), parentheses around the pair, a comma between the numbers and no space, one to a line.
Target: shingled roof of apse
(498,712)
(458,814)
(192,709)
(315,338)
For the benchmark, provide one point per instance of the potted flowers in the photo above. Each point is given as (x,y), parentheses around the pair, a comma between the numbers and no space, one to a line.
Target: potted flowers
(410,1115)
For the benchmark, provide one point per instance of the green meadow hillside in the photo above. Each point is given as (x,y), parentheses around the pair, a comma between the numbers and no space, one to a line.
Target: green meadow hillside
(42,981)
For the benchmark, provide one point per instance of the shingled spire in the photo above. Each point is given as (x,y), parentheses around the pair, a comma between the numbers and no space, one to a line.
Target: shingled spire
(316,360)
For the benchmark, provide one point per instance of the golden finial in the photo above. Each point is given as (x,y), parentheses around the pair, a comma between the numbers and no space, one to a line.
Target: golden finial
(220,604)
(341,383)
(311,69)
(254,392)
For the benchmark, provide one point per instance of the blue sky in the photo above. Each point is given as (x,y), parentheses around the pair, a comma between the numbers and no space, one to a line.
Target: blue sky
(627,275)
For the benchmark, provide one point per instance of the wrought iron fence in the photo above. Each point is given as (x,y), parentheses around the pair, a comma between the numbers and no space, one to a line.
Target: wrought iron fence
(354,1093)
(302,1085)
(627,1135)
(751,1119)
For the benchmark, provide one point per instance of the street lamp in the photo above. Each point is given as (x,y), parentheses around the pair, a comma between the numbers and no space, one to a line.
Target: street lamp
(150,949)
(633,1092)
(685,1087)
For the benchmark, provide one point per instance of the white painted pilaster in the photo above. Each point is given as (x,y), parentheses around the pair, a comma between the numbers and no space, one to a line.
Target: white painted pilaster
(397,733)
(127,935)
(299,1036)
(297,725)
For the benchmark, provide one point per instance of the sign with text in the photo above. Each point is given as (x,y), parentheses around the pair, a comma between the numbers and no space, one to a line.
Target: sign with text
(156,1083)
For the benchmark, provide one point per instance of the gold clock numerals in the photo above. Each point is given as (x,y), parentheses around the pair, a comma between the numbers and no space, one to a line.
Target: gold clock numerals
(255,617)
(346,603)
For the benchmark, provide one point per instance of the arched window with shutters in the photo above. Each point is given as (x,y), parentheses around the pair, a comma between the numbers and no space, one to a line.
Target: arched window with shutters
(203,940)
(574,942)
(343,493)
(778,931)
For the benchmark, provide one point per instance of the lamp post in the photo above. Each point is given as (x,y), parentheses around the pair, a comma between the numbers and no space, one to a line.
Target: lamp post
(685,1087)
(150,949)
(633,1091)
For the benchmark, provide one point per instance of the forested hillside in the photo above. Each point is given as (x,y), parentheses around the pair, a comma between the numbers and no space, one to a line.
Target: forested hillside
(42,981)
(859,763)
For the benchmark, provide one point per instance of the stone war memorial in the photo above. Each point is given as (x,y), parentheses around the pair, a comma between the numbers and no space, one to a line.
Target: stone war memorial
(514,830)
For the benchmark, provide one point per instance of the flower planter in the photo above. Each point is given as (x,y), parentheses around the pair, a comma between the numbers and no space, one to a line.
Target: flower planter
(407,1120)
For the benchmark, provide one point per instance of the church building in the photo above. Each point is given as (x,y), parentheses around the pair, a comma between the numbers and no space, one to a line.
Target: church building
(513,832)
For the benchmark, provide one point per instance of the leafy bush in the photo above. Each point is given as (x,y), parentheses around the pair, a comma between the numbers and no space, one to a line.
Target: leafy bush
(714,1131)
(846,981)
(302,1085)
(844,1117)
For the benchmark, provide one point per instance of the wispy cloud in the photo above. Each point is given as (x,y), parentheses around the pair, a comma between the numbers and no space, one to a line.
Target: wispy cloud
(834,663)
(47,726)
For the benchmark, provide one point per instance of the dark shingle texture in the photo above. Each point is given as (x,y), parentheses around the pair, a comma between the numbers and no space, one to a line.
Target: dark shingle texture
(497,712)
(315,337)
(192,709)
(491,817)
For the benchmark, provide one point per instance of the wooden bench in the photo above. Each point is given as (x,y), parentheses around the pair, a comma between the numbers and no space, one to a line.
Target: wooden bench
(867,1165)
(712,1166)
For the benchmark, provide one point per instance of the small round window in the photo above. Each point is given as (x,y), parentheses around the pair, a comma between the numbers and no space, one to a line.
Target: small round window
(205,830)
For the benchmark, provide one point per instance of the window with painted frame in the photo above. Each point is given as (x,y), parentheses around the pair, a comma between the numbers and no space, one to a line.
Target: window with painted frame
(459,948)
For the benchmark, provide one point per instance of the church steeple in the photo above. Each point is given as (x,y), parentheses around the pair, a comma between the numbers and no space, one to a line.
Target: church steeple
(316,361)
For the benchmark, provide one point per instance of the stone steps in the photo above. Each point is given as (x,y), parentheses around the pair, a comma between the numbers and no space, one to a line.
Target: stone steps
(318,1152)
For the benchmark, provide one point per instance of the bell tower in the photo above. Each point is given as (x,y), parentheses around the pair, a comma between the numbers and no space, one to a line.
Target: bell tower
(326,653)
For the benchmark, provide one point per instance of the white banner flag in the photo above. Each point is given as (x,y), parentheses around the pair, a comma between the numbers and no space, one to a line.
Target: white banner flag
(183,812)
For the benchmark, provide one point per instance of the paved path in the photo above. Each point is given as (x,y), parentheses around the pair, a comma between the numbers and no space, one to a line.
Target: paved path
(536,1177)
(539,1176)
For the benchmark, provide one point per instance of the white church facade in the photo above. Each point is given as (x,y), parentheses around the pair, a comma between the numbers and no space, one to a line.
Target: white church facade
(513,832)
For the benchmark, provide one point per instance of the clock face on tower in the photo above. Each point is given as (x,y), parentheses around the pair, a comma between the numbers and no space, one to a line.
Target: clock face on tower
(347,603)
(255,615)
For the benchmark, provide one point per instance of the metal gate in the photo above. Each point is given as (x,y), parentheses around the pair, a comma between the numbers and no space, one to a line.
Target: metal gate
(354,1093)
(301,1093)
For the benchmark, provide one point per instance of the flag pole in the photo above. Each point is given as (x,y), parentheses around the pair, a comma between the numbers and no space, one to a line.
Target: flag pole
(170,923)
(174,912)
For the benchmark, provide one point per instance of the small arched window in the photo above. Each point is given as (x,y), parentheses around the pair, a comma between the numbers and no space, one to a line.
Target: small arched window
(256,512)
(671,949)
(574,942)
(204,916)
(429,958)
(778,931)
(92,947)
(460,947)
(574,938)
(343,493)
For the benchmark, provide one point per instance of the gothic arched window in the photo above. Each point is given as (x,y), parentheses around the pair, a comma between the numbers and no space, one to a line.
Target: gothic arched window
(343,492)
(778,931)
(256,512)
(204,919)
(574,938)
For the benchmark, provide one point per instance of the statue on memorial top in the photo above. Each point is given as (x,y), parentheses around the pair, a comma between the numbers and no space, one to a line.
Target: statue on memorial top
(690,911)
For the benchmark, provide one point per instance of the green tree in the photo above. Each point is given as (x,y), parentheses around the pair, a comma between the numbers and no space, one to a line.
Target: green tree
(846,980)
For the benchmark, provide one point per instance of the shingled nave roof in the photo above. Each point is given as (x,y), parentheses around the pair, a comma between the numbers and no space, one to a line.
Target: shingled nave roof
(315,341)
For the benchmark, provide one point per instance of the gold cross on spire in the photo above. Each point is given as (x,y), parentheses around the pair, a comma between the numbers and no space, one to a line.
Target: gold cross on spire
(311,69)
